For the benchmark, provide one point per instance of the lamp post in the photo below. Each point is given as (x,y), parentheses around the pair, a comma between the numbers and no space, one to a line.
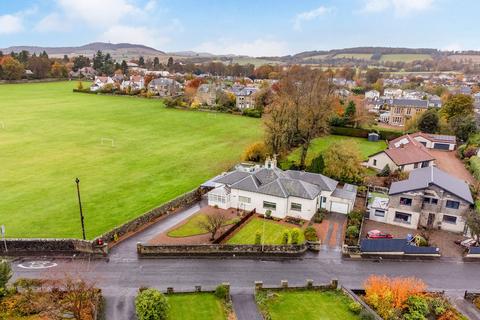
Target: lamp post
(77,181)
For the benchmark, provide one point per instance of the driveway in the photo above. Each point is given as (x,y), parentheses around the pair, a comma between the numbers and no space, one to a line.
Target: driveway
(332,229)
(449,162)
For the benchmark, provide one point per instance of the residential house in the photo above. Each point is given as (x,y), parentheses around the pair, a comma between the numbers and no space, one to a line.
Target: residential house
(134,83)
(476,98)
(245,98)
(428,140)
(405,156)
(429,198)
(165,87)
(372,94)
(392,93)
(206,94)
(289,193)
(100,82)
(343,93)
(401,110)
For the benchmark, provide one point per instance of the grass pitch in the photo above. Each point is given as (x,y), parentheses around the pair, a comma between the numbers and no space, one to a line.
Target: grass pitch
(52,135)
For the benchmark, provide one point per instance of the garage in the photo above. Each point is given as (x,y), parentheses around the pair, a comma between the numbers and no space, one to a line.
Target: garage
(441,146)
(339,207)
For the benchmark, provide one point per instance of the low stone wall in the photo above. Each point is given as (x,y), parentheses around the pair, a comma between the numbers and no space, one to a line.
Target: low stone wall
(309,285)
(136,224)
(353,294)
(220,250)
(19,247)
(232,229)
(471,295)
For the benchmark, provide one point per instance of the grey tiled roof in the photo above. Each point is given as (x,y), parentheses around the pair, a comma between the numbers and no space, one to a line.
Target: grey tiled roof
(279,183)
(407,103)
(422,178)
(347,192)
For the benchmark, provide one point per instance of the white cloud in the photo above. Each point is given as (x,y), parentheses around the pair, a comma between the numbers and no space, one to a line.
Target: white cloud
(399,7)
(453,47)
(138,35)
(255,48)
(52,22)
(10,23)
(308,16)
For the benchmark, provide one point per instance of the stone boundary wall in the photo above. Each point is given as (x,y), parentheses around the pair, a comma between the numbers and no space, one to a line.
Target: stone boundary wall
(136,224)
(220,250)
(471,295)
(355,297)
(232,229)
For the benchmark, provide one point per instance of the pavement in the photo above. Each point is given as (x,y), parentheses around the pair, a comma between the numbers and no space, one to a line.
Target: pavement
(122,275)
(245,307)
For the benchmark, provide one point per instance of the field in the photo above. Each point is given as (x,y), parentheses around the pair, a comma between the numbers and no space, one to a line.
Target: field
(50,135)
(273,232)
(255,61)
(198,306)
(407,57)
(359,56)
(319,145)
(307,305)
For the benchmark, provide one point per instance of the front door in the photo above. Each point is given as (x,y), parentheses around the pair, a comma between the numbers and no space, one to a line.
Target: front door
(431,219)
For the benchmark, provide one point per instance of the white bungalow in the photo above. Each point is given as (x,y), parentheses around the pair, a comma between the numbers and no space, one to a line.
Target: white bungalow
(100,82)
(284,193)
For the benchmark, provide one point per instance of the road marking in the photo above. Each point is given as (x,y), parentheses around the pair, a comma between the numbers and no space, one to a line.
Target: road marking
(37,265)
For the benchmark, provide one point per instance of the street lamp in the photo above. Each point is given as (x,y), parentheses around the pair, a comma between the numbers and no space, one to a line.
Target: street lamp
(77,181)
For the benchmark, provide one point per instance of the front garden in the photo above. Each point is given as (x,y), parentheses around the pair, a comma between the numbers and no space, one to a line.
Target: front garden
(307,305)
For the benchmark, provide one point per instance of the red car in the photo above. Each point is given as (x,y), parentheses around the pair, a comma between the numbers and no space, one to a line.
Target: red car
(377,234)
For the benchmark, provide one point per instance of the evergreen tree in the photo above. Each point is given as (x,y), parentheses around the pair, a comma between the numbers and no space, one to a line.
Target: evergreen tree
(317,165)
(98,61)
(350,111)
(65,58)
(170,62)
(156,64)
(141,61)
(429,121)
(124,67)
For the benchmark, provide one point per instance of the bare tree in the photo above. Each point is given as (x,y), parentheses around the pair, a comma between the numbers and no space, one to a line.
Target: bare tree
(212,223)
(473,223)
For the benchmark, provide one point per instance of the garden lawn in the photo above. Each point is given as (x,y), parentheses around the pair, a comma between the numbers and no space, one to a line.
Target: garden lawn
(197,306)
(50,135)
(308,305)
(319,145)
(273,232)
(192,226)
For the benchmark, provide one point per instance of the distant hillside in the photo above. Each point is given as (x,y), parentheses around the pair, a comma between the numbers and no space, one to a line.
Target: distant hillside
(118,51)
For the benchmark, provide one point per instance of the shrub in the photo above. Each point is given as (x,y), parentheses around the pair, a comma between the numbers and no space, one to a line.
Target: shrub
(258,238)
(319,215)
(79,85)
(418,305)
(355,307)
(310,234)
(385,171)
(221,292)
(255,152)
(460,150)
(317,165)
(439,306)
(151,304)
(470,151)
(352,232)
(295,234)
(475,166)
(285,237)
(253,113)
(365,315)
(5,274)
(268,214)
(476,302)
(355,217)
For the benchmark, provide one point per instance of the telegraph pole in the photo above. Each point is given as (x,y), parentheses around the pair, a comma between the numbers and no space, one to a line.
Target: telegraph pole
(77,181)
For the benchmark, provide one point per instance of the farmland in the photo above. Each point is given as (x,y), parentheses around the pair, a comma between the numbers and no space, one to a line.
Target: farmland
(407,57)
(358,56)
(149,155)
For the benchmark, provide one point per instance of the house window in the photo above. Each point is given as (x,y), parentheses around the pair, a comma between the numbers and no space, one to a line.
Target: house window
(452,204)
(405,201)
(374,162)
(430,200)
(380,213)
(425,164)
(244,199)
(449,219)
(296,206)
(269,205)
(415,166)
(217,198)
(403,217)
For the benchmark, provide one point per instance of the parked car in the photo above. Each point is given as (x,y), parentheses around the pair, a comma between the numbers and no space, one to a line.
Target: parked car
(377,234)
(467,243)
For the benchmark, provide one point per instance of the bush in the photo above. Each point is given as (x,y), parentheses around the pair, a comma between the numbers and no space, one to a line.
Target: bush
(470,151)
(439,306)
(221,292)
(355,217)
(417,305)
(352,232)
(317,165)
(151,304)
(255,152)
(475,166)
(310,234)
(355,307)
(258,238)
(285,237)
(295,234)
(365,315)
(253,113)
(268,214)
(460,150)
(363,133)
(385,171)
(6,274)
(476,302)
(319,215)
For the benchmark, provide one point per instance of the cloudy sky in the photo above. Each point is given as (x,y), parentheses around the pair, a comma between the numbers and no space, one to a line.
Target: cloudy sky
(251,27)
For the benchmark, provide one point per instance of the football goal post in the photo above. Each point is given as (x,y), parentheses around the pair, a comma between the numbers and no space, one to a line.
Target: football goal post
(107,141)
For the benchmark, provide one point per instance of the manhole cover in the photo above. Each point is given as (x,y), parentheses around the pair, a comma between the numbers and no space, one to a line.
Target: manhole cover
(37,265)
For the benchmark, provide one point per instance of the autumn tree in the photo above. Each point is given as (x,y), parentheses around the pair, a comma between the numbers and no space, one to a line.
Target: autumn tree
(372,75)
(473,223)
(343,162)
(463,126)
(11,68)
(457,105)
(255,152)
(58,70)
(429,121)
(212,223)
(40,66)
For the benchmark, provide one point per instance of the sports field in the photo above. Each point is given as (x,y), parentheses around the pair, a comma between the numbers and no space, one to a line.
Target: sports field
(50,135)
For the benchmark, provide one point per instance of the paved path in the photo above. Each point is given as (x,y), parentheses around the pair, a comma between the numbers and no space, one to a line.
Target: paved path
(464,306)
(245,306)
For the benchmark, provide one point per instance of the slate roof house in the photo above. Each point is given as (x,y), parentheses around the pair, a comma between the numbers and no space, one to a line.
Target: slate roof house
(428,140)
(165,87)
(206,94)
(285,193)
(401,110)
(429,198)
(100,82)
(245,98)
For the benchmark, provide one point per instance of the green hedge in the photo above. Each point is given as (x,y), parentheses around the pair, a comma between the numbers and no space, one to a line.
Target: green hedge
(475,166)
(363,133)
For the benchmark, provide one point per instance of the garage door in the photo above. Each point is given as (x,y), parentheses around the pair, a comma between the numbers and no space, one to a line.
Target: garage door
(441,146)
(339,207)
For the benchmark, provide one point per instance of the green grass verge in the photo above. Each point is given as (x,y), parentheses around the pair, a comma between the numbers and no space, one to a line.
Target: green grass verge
(319,145)
(195,306)
(306,305)
(192,227)
(273,232)
(53,135)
